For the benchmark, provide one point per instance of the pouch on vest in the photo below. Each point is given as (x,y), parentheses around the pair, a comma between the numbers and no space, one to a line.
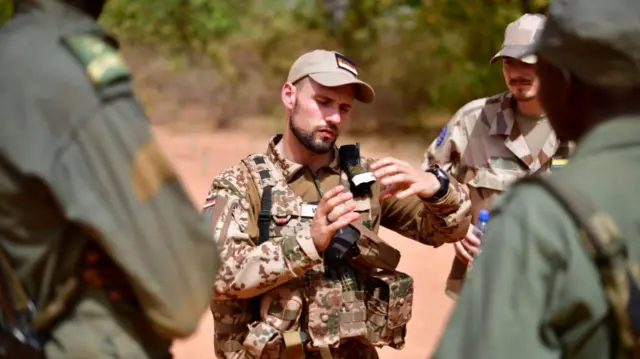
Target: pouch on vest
(389,303)
(280,311)
(375,252)
(230,322)
(333,314)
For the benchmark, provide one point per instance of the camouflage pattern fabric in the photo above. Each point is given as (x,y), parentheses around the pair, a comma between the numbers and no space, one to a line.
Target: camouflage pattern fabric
(482,146)
(337,310)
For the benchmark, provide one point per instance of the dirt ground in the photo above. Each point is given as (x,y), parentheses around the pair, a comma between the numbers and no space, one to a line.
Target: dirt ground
(199,157)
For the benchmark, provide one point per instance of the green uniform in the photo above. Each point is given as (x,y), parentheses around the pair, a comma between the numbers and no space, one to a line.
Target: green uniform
(536,292)
(558,273)
(78,165)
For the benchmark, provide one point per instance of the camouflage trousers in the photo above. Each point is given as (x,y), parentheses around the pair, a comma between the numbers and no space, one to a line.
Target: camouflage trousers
(349,350)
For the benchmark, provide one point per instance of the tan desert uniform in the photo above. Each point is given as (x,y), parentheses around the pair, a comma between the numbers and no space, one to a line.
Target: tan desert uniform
(484,147)
(488,144)
(289,272)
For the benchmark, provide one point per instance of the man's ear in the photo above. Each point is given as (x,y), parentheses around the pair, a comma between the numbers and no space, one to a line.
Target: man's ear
(288,95)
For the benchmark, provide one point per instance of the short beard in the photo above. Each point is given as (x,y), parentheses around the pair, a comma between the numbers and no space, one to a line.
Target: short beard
(307,138)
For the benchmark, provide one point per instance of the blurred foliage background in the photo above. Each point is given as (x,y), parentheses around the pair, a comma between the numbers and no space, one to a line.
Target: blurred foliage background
(229,58)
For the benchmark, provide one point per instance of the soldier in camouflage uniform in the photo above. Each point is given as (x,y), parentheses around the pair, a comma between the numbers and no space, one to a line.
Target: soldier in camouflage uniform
(491,142)
(276,296)
(94,222)
(559,276)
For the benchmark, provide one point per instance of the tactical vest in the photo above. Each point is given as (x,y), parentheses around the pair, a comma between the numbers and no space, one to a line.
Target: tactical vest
(601,239)
(315,312)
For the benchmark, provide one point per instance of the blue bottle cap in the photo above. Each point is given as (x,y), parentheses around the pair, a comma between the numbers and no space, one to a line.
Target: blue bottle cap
(483,215)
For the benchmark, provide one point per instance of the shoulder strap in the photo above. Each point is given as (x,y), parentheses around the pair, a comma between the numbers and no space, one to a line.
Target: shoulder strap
(260,169)
(601,238)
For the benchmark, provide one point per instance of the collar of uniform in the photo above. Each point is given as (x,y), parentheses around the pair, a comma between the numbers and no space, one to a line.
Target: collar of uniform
(503,123)
(617,132)
(289,168)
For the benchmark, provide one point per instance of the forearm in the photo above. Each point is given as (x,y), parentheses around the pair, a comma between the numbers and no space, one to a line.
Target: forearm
(248,270)
(448,219)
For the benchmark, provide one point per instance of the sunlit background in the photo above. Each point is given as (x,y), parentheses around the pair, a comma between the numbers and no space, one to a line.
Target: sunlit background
(424,58)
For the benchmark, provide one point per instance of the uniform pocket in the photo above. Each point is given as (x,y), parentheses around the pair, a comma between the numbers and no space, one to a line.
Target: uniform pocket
(263,341)
(389,305)
(230,321)
(324,298)
(495,179)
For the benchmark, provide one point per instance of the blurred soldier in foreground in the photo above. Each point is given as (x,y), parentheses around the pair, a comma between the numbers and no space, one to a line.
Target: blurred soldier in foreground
(302,264)
(559,272)
(102,253)
(491,142)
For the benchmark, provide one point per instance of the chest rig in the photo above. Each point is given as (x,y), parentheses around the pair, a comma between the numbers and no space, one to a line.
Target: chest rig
(319,311)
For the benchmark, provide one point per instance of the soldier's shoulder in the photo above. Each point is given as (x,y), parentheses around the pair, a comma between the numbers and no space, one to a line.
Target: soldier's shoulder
(472,110)
(33,52)
(234,179)
(97,57)
(539,203)
(72,66)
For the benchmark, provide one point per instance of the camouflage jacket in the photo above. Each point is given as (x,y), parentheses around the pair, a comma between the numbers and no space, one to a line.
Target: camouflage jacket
(288,270)
(482,146)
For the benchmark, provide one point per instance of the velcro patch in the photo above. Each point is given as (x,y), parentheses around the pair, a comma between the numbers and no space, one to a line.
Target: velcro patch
(346,64)
(557,163)
(308,210)
(102,61)
(443,133)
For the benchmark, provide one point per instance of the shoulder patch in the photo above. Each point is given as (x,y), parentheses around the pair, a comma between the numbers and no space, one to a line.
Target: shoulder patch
(558,163)
(210,200)
(441,136)
(102,61)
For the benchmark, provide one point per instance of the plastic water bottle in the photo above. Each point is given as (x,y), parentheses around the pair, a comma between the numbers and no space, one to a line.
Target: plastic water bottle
(478,230)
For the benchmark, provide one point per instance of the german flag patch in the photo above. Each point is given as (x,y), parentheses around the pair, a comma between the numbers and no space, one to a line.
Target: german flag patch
(210,201)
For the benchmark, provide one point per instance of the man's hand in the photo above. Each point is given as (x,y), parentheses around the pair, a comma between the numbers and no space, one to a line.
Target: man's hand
(467,247)
(332,215)
(402,179)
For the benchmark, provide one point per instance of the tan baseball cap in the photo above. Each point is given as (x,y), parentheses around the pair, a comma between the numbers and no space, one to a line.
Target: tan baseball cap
(519,36)
(330,69)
